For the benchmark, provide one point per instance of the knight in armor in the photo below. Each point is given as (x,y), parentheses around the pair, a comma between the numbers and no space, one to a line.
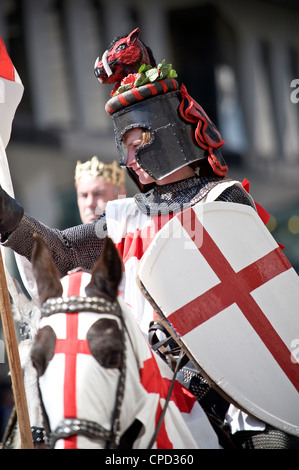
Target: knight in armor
(171,149)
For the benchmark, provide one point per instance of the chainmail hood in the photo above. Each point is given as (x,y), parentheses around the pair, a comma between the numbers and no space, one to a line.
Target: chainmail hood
(175,197)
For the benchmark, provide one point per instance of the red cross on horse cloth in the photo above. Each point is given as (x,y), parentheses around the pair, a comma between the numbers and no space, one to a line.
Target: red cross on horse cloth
(70,346)
(229,295)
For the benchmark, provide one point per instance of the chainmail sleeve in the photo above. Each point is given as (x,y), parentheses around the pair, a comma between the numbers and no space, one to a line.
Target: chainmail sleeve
(81,246)
(78,246)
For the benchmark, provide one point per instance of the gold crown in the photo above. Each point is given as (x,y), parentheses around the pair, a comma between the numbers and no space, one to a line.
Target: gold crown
(109,172)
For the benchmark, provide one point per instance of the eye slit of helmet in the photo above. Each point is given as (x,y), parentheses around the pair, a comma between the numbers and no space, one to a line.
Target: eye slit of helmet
(121,47)
(145,138)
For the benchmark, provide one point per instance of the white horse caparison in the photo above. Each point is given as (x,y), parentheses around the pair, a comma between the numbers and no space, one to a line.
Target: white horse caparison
(101,385)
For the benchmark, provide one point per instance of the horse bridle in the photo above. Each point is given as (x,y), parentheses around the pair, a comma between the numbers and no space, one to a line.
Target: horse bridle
(74,426)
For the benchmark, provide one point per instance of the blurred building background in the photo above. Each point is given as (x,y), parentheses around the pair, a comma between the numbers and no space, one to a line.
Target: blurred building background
(238,59)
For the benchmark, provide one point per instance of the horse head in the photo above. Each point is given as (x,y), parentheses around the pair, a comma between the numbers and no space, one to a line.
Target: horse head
(100,384)
(124,56)
(97,334)
(103,336)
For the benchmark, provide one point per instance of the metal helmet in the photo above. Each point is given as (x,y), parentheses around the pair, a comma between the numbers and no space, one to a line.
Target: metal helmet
(181,132)
(171,146)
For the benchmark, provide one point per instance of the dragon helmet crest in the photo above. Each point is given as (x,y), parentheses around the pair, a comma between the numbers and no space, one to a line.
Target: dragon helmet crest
(124,56)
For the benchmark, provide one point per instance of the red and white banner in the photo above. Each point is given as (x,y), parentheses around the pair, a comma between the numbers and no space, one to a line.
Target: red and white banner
(225,287)
(11,92)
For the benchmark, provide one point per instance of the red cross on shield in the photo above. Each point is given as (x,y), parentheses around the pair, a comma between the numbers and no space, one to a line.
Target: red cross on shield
(228,294)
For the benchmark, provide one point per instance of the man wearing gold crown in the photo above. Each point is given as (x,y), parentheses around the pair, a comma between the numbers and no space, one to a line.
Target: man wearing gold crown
(168,146)
(97,183)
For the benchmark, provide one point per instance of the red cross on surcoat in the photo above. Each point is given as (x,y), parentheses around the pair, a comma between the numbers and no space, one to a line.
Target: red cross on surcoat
(135,244)
(153,382)
(235,287)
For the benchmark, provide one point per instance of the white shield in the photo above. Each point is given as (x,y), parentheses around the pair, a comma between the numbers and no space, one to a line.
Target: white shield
(230,297)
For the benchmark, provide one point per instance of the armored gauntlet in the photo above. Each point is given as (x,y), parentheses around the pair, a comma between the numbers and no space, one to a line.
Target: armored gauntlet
(11,213)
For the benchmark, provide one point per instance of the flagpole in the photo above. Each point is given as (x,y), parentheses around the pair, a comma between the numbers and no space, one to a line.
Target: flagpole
(14,362)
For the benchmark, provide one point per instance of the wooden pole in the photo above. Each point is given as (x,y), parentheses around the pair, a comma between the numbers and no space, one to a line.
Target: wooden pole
(14,362)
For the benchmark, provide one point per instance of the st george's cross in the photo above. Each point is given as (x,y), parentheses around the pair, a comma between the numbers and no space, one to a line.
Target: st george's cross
(70,346)
(229,296)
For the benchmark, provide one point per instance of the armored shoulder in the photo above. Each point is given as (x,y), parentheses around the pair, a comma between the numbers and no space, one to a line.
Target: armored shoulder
(236,193)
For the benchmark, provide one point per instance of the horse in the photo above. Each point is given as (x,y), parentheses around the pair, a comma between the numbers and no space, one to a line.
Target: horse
(100,384)
(124,56)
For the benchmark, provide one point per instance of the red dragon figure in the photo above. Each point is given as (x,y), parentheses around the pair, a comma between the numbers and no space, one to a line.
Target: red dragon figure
(124,56)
